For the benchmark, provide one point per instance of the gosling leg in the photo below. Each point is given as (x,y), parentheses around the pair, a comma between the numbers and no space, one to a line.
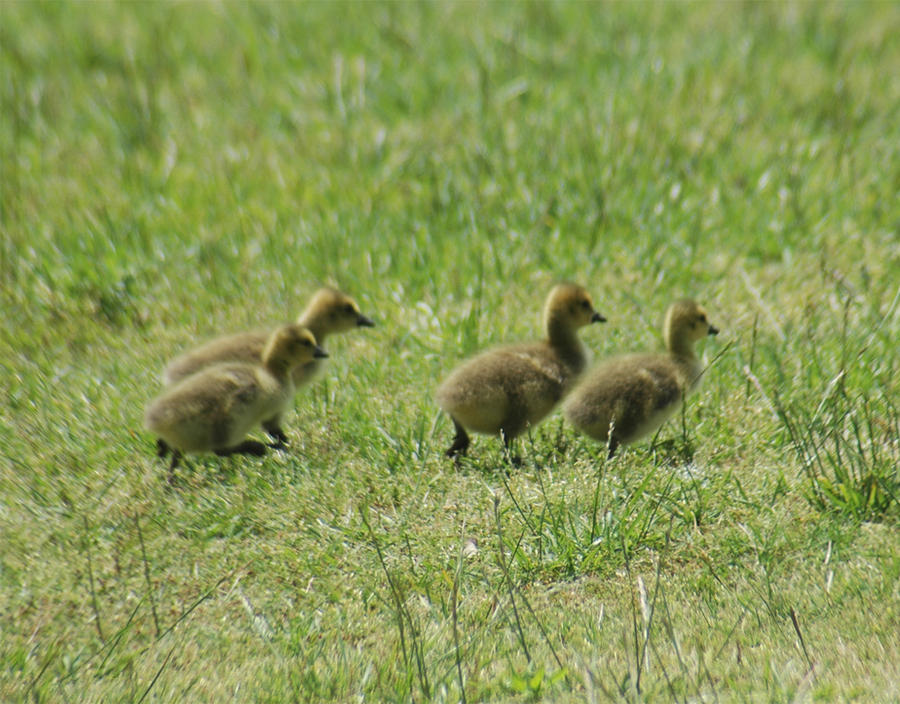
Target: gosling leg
(613,445)
(460,441)
(514,460)
(176,458)
(162,448)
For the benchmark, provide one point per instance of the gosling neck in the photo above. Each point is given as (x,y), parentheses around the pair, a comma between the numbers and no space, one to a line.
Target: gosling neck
(685,356)
(276,365)
(680,345)
(315,324)
(563,338)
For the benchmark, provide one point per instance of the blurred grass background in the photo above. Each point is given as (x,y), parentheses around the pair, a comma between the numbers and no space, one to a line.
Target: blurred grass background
(170,171)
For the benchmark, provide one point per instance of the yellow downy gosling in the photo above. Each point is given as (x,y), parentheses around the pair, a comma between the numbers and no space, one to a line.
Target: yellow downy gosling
(637,393)
(214,409)
(507,389)
(329,311)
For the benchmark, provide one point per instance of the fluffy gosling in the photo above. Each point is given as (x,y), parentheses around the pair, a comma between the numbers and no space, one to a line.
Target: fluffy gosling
(329,311)
(635,394)
(508,389)
(214,409)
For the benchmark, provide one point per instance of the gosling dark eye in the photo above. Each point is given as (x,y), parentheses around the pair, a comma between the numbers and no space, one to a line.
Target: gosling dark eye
(349,309)
(586,305)
(307,343)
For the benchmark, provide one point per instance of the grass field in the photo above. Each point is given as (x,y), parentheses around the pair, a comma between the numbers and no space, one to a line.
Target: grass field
(170,171)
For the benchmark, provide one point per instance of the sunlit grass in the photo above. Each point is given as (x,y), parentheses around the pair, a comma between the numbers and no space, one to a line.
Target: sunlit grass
(168,171)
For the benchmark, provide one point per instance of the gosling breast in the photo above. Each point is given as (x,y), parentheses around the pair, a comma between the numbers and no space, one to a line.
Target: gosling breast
(628,397)
(635,394)
(510,388)
(506,389)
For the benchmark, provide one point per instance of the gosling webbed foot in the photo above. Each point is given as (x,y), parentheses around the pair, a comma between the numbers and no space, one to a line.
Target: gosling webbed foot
(248,447)
(281,440)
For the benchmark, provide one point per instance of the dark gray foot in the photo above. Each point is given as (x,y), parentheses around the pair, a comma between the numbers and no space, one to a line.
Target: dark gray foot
(460,442)
(162,449)
(248,447)
(281,440)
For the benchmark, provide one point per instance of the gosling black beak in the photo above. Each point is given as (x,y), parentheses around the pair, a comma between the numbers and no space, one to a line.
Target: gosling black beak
(597,318)
(364,322)
(319,353)
(713,330)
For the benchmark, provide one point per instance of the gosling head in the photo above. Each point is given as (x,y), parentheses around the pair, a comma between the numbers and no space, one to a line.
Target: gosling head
(568,308)
(332,311)
(686,323)
(290,346)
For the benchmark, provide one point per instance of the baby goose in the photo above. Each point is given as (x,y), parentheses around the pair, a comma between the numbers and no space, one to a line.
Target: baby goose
(509,388)
(329,311)
(637,393)
(214,409)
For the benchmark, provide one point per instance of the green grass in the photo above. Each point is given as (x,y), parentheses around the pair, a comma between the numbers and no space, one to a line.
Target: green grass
(169,171)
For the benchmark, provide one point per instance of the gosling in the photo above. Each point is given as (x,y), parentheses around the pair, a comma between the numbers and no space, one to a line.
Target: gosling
(329,311)
(508,389)
(628,397)
(214,409)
